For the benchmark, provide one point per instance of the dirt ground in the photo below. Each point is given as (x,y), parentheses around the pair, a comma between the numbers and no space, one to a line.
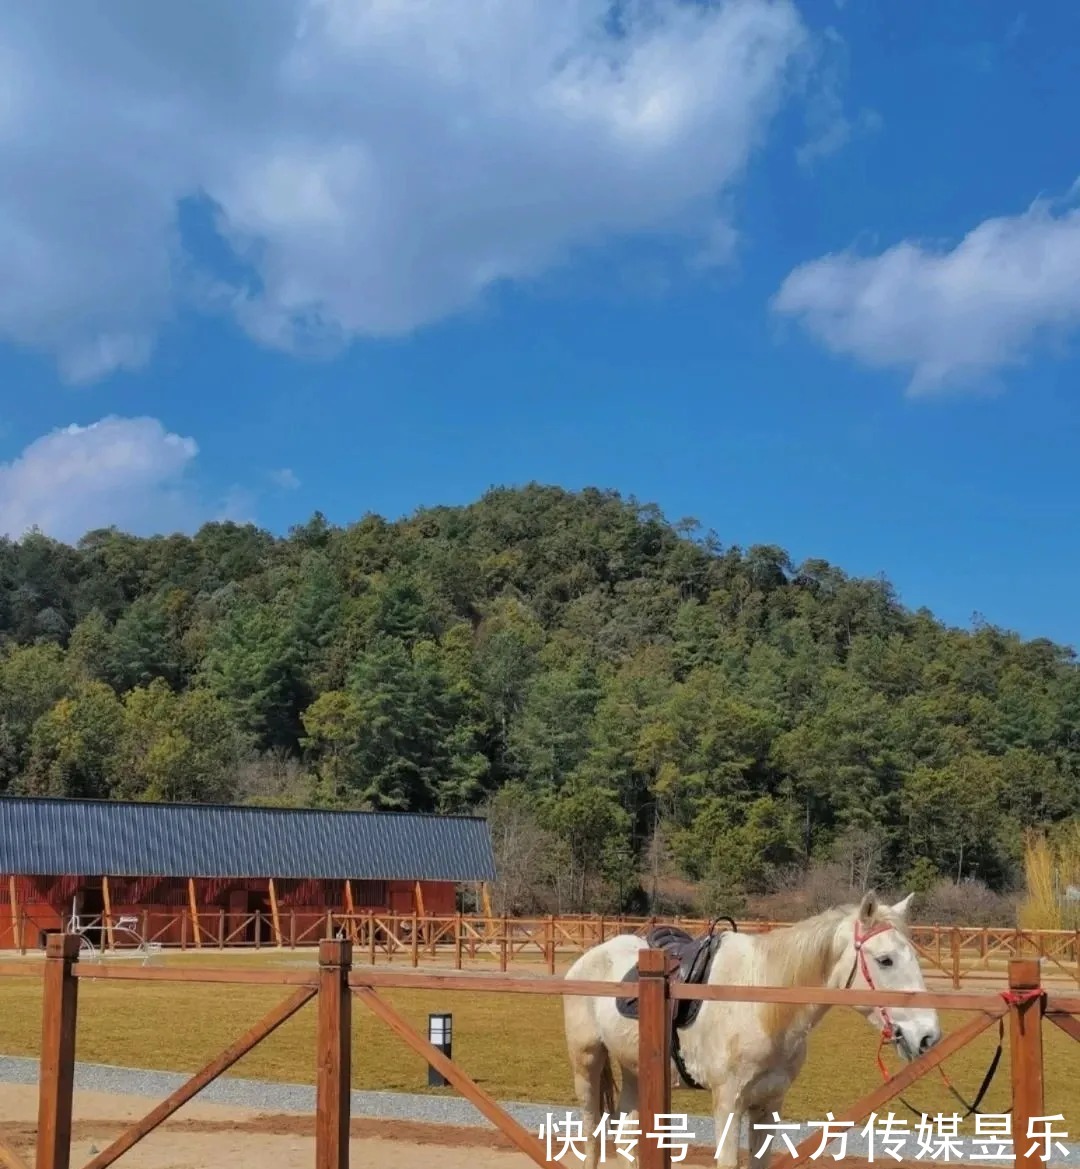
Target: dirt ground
(209,1136)
(213,1136)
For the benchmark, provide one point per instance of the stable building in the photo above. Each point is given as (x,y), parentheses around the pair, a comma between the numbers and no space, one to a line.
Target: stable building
(211,875)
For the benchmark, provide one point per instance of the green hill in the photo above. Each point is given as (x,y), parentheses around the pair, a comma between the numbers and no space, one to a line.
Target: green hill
(627,697)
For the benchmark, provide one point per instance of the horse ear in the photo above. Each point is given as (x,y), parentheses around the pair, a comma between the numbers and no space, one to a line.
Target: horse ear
(901,907)
(868,907)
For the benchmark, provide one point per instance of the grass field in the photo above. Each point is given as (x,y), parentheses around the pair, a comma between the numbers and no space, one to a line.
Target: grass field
(510,1044)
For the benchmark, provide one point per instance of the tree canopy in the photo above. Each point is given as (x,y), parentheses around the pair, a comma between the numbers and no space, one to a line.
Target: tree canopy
(629,690)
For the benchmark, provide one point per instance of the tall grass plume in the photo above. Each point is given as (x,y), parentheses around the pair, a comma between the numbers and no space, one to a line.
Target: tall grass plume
(1051,869)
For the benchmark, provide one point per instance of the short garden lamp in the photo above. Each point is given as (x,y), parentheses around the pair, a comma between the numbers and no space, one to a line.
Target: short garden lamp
(440,1035)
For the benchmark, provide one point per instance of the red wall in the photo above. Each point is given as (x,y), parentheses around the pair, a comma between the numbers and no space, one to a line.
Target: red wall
(226,908)
(440,898)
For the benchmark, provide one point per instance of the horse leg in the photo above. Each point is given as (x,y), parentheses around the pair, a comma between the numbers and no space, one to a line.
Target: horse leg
(628,1108)
(591,1069)
(628,1094)
(727,1121)
(761,1143)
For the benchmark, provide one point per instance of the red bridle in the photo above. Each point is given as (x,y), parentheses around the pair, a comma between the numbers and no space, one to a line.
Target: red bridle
(887,1031)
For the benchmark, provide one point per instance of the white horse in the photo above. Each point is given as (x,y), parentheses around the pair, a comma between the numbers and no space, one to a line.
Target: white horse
(747,1054)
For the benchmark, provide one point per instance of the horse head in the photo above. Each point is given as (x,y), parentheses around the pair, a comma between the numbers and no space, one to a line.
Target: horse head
(877,954)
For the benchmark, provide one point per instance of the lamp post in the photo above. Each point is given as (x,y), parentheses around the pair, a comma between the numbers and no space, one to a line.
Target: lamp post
(440,1035)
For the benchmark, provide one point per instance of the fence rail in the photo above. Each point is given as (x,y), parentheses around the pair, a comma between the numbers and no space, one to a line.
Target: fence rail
(335,984)
(962,954)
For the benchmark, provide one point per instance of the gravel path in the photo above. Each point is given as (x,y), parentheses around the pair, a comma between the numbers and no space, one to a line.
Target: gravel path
(271,1097)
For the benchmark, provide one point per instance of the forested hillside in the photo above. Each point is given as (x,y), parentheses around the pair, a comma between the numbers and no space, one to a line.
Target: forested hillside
(627,698)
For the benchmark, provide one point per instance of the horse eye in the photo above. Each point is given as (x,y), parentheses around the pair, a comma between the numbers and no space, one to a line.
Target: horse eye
(886,961)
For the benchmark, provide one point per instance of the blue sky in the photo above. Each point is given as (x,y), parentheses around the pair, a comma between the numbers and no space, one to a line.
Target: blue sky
(809,273)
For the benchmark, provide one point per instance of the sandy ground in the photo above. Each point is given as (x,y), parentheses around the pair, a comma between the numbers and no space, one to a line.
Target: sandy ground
(213,1136)
(209,1136)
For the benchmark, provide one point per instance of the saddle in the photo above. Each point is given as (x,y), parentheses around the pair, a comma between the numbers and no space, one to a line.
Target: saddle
(689,960)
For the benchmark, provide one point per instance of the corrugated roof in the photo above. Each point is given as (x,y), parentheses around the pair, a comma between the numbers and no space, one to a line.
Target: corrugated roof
(53,837)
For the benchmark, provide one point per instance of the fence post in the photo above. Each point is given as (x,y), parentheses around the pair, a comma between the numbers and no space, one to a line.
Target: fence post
(654,1056)
(334,1068)
(954,943)
(56,1077)
(1026,1056)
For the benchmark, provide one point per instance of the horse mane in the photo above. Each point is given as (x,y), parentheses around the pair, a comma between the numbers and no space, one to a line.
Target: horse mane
(803,955)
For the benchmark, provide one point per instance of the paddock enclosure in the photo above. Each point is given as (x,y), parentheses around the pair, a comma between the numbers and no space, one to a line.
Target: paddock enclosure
(345,971)
(335,987)
(146,875)
(957,954)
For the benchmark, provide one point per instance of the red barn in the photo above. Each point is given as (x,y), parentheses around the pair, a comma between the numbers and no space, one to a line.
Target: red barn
(210,874)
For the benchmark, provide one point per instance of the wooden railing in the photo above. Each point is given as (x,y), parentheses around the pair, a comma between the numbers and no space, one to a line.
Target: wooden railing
(335,983)
(962,954)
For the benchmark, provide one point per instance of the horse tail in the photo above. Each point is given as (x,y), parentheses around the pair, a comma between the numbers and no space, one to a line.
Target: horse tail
(607,1087)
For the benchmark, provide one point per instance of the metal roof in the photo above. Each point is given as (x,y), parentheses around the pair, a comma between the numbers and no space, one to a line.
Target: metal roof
(65,837)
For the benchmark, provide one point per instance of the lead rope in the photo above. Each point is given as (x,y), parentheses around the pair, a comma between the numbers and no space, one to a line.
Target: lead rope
(886,1033)
(970,1109)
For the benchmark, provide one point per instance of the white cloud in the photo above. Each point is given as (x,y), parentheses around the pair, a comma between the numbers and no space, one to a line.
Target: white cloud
(285,478)
(949,317)
(376,165)
(130,472)
(829,128)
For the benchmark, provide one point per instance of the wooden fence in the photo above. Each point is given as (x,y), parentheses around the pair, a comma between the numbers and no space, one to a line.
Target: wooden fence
(962,954)
(335,984)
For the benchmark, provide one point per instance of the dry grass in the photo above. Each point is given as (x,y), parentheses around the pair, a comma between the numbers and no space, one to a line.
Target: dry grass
(1041,908)
(1049,866)
(510,1044)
